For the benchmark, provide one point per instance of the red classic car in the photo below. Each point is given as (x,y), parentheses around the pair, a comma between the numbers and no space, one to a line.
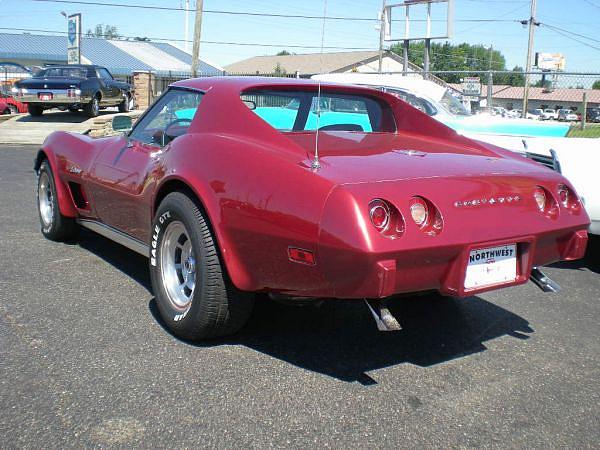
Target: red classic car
(8,105)
(236,186)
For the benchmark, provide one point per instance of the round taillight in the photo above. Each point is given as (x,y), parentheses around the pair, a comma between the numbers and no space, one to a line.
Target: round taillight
(563,195)
(419,211)
(540,198)
(380,214)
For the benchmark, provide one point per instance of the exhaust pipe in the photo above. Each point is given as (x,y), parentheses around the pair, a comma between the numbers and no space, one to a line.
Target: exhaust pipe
(383,317)
(543,281)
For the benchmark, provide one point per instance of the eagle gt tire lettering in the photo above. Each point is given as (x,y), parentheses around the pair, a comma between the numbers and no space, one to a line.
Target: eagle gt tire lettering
(193,293)
(156,232)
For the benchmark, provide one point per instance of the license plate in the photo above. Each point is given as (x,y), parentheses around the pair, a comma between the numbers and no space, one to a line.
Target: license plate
(45,96)
(493,265)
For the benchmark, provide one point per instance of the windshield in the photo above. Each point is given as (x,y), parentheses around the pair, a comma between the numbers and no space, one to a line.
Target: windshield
(289,111)
(62,72)
(419,103)
(453,105)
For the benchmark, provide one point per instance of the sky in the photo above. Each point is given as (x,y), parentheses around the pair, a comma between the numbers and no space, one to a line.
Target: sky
(578,16)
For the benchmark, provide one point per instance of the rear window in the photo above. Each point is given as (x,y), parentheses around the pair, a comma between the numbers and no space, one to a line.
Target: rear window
(289,111)
(63,72)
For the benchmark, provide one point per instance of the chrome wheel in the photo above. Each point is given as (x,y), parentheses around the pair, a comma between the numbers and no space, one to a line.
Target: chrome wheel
(45,199)
(178,265)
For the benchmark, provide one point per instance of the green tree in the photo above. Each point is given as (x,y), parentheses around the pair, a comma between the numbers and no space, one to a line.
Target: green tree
(515,78)
(104,31)
(284,53)
(278,70)
(461,57)
(596,84)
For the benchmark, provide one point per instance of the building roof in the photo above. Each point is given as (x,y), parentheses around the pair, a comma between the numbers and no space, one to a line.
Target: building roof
(506,92)
(556,95)
(119,56)
(309,63)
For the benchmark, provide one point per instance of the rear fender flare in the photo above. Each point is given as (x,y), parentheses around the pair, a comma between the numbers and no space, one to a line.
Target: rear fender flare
(208,203)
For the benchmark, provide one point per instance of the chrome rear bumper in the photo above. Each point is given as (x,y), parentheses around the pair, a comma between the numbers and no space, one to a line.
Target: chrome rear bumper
(59,96)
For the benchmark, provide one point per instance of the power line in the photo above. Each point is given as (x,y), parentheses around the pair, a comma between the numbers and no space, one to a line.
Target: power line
(502,15)
(568,34)
(435,55)
(589,2)
(103,36)
(571,32)
(247,13)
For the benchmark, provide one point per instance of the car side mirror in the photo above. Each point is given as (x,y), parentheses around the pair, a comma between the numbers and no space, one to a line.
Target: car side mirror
(122,123)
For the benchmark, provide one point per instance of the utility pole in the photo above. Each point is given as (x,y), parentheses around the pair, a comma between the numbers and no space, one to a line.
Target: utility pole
(187,26)
(490,81)
(197,34)
(427,44)
(532,24)
(381,36)
(406,43)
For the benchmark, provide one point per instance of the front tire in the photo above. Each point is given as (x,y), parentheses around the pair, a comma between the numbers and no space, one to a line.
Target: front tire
(193,294)
(54,225)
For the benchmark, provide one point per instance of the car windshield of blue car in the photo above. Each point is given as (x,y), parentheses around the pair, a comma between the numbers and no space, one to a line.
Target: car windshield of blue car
(453,105)
(290,111)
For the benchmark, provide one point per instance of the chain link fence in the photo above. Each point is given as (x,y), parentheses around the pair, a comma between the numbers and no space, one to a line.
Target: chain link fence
(551,96)
(504,91)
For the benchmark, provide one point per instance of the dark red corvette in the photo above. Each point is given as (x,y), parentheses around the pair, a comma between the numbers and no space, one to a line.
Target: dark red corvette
(220,184)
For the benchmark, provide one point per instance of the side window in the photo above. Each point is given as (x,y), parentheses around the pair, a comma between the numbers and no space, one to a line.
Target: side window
(105,74)
(169,118)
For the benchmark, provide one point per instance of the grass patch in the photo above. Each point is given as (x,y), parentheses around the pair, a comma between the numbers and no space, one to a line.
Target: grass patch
(592,130)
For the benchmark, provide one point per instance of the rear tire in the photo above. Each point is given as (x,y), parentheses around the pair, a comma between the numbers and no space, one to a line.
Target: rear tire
(124,105)
(35,110)
(193,294)
(92,109)
(54,225)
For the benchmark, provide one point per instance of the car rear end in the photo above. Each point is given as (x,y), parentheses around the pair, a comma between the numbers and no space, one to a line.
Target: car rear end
(54,86)
(50,93)
(457,235)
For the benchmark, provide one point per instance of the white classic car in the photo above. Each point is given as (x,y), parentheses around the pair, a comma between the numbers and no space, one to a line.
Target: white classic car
(576,158)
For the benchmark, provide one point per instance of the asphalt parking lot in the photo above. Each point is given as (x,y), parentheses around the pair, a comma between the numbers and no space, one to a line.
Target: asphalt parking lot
(85,361)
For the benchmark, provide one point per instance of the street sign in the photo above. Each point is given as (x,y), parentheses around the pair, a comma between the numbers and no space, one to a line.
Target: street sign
(471,87)
(74,39)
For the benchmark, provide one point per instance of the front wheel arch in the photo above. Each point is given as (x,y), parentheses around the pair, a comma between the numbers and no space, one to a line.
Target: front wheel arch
(65,202)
